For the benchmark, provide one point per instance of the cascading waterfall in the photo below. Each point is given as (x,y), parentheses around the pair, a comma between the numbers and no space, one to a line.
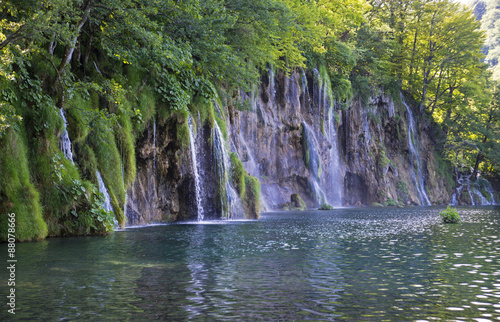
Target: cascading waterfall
(65,142)
(107,200)
(330,182)
(335,180)
(415,157)
(482,198)
(454,200)
(313,162)
(477,189)
(230,201)
(196,166)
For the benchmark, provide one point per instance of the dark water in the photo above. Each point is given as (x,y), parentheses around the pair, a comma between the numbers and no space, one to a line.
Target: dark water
(350,264)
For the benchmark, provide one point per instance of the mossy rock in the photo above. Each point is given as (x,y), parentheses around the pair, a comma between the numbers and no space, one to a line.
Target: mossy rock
(297,203)
(376,204)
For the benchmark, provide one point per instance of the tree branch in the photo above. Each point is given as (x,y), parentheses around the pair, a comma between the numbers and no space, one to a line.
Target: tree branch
(68,51)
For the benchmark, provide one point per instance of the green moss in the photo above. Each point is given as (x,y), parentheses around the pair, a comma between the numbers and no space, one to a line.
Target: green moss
(247,186)
(223,127)
(109,164)
(297,202)
(382,159)
(125,144)
(54,175)
(312,161)
(86,160)
(76,115)
(444,170)
(402,191)
(205,110)
(182,128)
(238,174)
(145,102)
(17,193)
(117,207)
(252,197)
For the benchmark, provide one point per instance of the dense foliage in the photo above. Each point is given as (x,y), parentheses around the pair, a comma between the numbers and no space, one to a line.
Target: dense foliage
(450,215)
(113,65)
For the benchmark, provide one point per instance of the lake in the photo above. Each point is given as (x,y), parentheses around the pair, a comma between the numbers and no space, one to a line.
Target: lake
(345,264)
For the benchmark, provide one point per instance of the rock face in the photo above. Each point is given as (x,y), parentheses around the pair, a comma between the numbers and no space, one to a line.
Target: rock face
(288,139)
(175,184)
(377,155)
(164,188)
(296,139)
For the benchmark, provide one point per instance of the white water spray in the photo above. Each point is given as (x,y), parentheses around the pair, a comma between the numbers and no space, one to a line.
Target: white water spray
(415,157)
(107,200)
(194,160)
(65,142)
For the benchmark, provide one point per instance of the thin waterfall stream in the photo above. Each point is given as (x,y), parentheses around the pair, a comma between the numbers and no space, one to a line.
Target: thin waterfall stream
(107,200)
(197,179)
(65,142)
(230,201)
(415,157)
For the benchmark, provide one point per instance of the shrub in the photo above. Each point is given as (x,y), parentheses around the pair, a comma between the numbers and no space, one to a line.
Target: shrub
(450,215)
(325,206)
(402,190)
(390,202)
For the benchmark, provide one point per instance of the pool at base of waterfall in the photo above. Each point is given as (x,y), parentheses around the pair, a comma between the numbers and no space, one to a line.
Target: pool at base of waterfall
(344,264)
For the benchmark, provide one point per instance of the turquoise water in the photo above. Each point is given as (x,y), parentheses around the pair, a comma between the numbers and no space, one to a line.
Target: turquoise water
(346,264)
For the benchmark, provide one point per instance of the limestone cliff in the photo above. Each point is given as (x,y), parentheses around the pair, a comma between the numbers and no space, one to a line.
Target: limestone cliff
(297,139)
(291,134)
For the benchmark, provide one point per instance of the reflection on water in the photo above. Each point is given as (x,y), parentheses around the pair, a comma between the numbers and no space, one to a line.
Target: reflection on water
(352,264)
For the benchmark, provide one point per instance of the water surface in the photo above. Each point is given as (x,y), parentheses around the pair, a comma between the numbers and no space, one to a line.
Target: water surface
(345,264)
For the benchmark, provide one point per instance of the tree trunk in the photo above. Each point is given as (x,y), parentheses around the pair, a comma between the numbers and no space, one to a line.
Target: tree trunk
(479,158)
(68,51)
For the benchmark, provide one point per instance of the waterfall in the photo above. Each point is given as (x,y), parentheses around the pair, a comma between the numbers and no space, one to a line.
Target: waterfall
(330,181)
(272,86)
(454,200)
(335,180)
(196,165)
(471,197)
(482,198)
(107,200)
(65,142)
(253,169)
(313,162)
(415,157)
(474,189)
(318,91)
(305,90)
(230,201)
(154,146)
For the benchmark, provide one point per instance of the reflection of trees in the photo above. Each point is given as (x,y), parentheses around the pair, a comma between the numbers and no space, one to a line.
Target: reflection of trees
(401,264)
(254,270)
